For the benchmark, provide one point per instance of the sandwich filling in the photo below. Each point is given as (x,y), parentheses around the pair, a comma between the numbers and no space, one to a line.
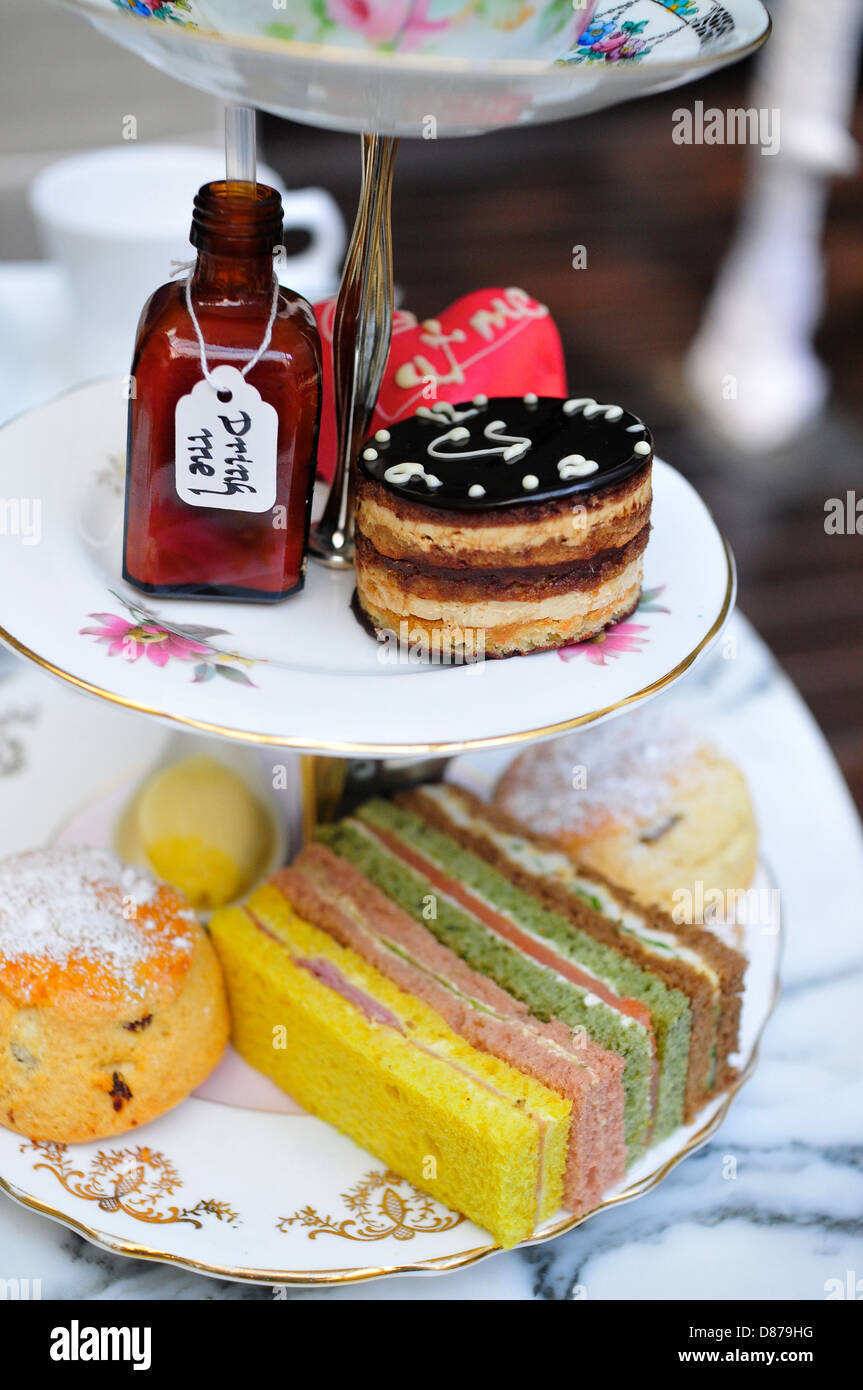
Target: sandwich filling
(331,892)
(539,979)
(338,979)
(685,959)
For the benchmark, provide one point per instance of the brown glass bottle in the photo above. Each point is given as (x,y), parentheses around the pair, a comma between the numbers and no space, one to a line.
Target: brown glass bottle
(169,546)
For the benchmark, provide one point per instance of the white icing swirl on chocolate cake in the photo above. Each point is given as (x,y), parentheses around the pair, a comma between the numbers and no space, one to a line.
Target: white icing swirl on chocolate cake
(571,447)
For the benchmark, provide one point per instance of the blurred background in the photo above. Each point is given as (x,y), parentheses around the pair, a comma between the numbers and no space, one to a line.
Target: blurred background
(655,220)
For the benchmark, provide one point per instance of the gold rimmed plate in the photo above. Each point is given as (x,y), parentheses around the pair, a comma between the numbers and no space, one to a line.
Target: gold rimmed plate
(237,1182)
(303,674)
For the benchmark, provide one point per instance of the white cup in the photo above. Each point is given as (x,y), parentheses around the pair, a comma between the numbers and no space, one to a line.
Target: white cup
(114,220)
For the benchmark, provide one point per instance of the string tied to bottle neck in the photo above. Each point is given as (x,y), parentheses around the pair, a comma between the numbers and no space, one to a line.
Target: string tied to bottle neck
(177,268)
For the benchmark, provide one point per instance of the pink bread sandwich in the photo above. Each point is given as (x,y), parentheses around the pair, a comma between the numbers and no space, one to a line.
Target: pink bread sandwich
(335,895)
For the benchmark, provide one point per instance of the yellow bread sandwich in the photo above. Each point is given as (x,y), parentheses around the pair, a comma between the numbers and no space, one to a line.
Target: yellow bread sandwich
(385,1069)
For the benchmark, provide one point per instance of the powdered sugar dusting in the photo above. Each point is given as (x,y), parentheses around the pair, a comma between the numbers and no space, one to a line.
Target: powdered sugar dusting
(79,904)
(624,770)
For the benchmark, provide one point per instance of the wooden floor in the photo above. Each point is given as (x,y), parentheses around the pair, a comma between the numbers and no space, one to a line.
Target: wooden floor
(655,218)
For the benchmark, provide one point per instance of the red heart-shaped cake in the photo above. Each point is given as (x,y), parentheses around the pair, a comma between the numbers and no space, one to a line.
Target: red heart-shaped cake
(494,342)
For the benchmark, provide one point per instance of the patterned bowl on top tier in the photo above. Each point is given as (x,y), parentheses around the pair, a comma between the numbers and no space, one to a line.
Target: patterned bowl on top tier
(426,69)
(454,28)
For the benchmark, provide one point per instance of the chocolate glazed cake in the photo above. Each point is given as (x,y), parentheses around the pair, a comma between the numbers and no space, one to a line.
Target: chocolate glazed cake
(504,526)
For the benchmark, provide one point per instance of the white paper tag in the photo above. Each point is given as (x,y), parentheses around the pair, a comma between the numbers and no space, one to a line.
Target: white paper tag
(226,449)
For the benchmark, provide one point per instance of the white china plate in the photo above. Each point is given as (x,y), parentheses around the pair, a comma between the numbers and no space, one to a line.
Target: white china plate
(483,67)
(237,1181)
(303,674)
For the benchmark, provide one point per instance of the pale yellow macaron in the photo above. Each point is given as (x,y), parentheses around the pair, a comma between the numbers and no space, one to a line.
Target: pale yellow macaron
(199,827)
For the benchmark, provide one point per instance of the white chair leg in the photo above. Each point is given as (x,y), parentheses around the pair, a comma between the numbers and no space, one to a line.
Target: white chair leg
(752,369)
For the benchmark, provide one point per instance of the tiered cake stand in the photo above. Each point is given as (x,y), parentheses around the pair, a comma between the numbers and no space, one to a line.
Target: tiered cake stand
(422,71)
(285,1199)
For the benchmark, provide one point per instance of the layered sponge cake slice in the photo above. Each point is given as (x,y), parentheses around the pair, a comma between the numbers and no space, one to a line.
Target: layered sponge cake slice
(334,894)
(384,1068)
(424,872)
(684,957)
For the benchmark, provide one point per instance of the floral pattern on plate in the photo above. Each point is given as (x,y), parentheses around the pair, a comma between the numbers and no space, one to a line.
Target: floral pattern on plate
(13,747)
(629,32)
(401,26)
(134,1181)
(159,9)
(405,26)
(144,634)
(621,637)
(401,1211)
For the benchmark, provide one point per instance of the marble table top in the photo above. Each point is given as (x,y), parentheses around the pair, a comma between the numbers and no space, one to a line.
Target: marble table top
(788,1222)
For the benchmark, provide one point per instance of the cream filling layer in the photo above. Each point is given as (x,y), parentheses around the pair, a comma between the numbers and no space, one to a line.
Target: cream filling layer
(357,996)
(383,595)
(573,529)
(553,864)
(615,1003)
(525,1026)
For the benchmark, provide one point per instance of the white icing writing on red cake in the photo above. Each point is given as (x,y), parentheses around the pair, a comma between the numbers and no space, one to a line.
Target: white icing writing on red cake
(505,310)
(443,410)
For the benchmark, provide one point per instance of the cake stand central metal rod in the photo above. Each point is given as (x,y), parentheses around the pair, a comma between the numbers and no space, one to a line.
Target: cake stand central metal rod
(361,342)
